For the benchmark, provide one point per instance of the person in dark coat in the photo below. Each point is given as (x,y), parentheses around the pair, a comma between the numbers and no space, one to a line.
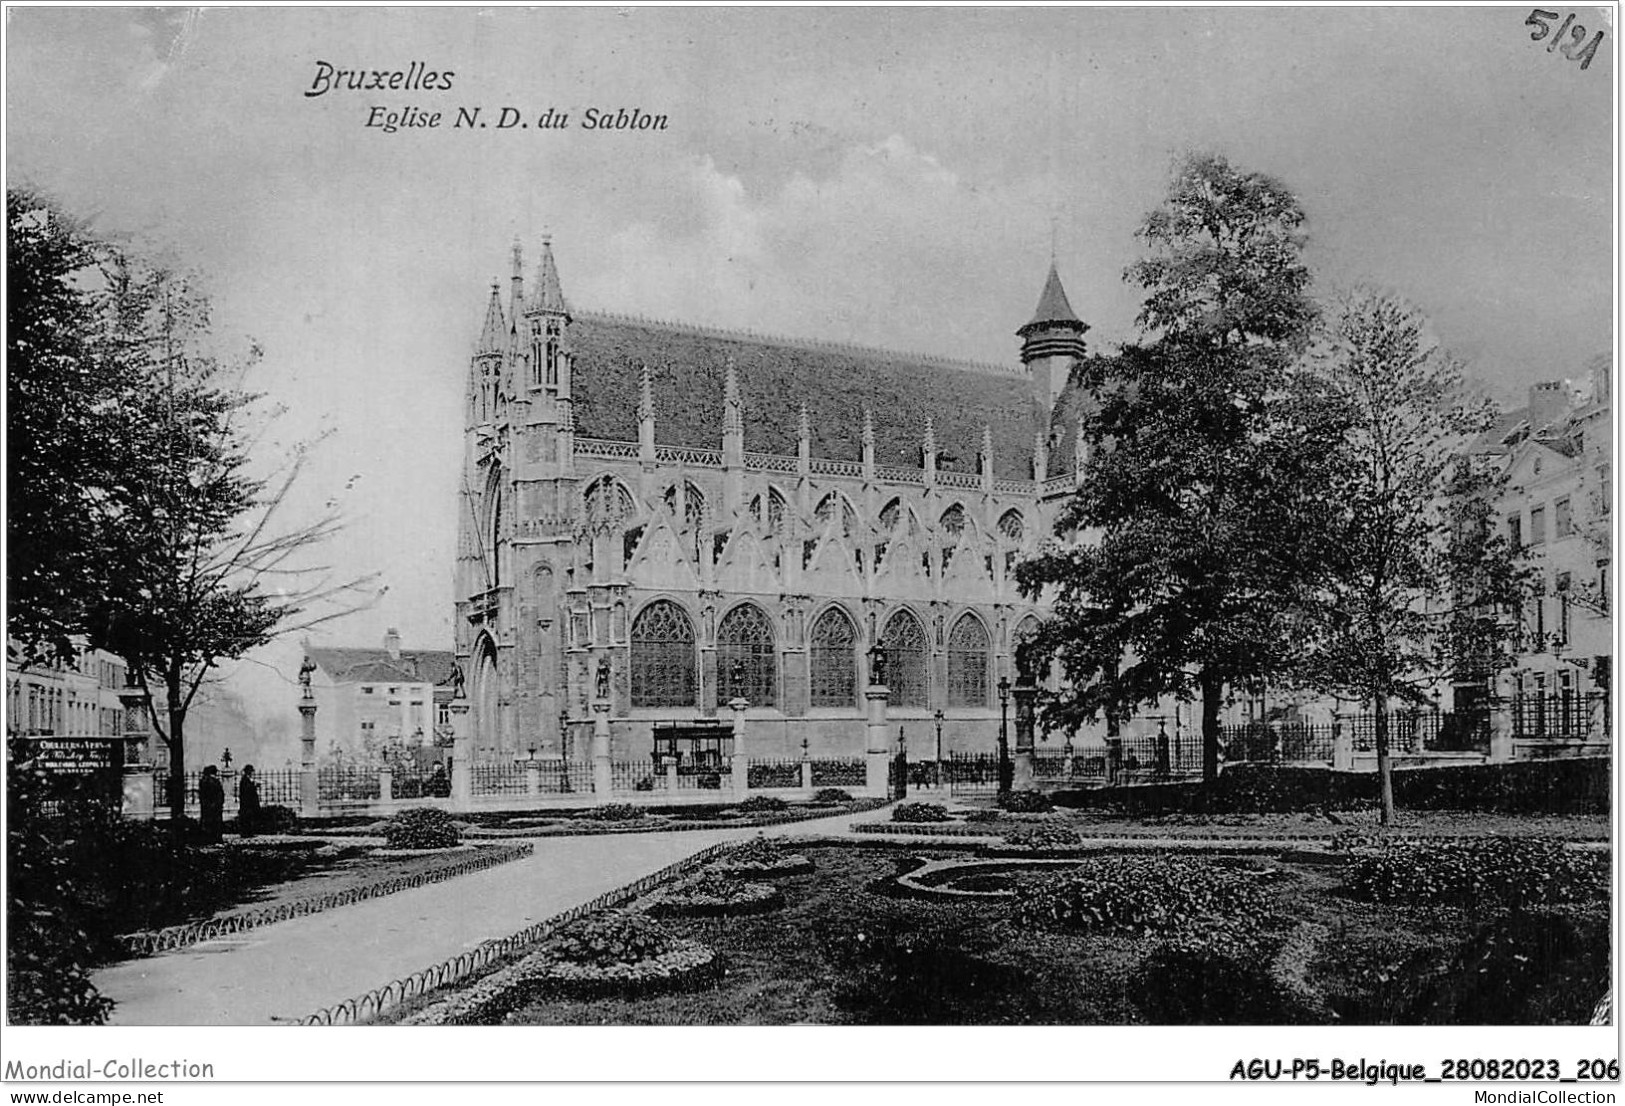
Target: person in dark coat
(248,803)
(439,784)
(211,797)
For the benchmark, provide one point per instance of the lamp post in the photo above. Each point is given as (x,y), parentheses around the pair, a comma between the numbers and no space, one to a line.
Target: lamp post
(938,717)
(564,745)
(1006,769)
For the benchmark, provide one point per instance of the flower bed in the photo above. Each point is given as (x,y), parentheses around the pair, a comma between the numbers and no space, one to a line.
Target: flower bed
(713,894)
(758,858)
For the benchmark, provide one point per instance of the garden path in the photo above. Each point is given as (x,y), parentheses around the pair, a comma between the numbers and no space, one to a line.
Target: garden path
(285,971)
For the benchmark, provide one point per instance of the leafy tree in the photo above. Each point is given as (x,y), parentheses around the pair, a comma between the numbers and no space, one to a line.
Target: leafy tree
(206,567)
(1198,514)
(1422,576)
(57,390)
(146,523)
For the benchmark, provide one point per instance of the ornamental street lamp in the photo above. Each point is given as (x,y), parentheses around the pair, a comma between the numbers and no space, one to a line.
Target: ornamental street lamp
(938,717)
(1007,770)
(564,745)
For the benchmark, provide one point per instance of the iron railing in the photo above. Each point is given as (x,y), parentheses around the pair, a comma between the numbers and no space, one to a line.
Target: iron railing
(839,772)
(773,773)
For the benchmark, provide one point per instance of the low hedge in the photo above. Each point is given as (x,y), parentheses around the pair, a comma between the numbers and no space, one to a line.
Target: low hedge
(1142,895)
(1565,786)
(919,812)
(1479,872)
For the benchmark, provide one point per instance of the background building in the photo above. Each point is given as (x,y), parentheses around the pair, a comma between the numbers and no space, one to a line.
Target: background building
(373,701)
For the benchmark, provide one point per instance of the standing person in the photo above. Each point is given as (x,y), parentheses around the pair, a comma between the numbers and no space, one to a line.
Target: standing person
(211,797)
(248,803)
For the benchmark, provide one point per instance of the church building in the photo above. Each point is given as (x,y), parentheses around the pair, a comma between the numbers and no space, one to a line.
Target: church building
(675,516)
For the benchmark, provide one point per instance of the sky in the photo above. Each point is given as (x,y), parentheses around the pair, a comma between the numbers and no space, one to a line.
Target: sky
(894,177)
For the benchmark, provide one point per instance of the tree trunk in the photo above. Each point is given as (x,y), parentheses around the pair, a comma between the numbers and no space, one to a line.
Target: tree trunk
(1385,766)
(177,755)
(1212,700)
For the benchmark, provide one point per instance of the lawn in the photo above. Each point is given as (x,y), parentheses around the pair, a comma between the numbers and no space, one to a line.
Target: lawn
(848,948)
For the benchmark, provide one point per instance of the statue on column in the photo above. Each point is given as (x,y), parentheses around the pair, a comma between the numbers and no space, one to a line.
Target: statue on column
(603,677)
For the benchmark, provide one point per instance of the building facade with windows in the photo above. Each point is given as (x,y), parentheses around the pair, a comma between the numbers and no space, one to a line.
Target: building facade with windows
(77,698)
(375,702)
(1558,508)
(671,517)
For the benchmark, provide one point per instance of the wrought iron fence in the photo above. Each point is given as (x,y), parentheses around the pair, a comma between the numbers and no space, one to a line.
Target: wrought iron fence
(839,772)
(704,780)
(1569,717)
(278,787)
(1055,767)
(971,773)
(1163,756)
(1276,743)
(498,778)
(345,783)
(773,773)
(632,775)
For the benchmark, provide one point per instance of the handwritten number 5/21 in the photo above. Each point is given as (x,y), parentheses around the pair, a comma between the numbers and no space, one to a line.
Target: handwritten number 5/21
(1542,22)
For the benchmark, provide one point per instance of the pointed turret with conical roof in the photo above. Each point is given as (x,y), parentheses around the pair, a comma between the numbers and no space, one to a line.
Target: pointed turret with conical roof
(1052,342)
(549,294)
(494,334)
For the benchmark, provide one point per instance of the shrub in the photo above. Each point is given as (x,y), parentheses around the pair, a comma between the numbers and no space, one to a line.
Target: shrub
(1512,871)
(984,815)
(615,812)
(832,795)
(1207,982)
(647,783)
(1145,894)
(919,812)
(759,804)
(278,819)
(758,850)
(1027,802)
(610,937)
(1043,837)
(421,827)
(714,893)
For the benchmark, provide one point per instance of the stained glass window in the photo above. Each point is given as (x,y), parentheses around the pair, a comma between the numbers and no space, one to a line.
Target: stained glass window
(662,657)
(834,660)
(1013,529)
(745,658)
(967,663)
(904,640)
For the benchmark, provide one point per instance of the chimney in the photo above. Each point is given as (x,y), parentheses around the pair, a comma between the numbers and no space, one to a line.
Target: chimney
(392,643)
(1548,403)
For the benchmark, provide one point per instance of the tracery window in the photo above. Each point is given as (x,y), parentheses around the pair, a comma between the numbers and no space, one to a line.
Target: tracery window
(967,663)
(904,641)
(662,657)
(775,511)
(951,528)
(608,501)
(1012,527)
(552,352)
(826,509)
(834,660)
(745,656)
(693,504)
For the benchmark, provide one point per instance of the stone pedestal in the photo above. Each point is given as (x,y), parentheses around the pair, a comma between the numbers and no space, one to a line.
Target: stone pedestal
(462,758)
(138,800)
(1026,696)
(386,784)
(1342,745)
(671,777)
(603,775)
(533,778)
(806,772)
(309,790)
(1501,720)
(741,759)
(876,753)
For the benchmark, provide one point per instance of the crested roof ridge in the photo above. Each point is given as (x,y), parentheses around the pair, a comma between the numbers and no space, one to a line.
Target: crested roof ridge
(987,368)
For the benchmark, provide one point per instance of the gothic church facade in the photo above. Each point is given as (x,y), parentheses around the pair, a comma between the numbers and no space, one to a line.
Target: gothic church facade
(708,514)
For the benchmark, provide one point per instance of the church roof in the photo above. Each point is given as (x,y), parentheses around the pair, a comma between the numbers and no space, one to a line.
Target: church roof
(1053,306)
(836,383)
(414,666)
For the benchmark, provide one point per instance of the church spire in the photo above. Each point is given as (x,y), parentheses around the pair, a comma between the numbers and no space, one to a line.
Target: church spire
(493,332)
(549,293)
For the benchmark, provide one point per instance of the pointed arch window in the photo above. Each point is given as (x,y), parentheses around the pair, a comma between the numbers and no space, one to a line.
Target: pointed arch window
(692,506)
(745,656)
(773,524)
(951,529)
(551,354)
(906,653)
(1012,527)
(608,501)
(967,663)
(826,510)
(834,660)
(663,660)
